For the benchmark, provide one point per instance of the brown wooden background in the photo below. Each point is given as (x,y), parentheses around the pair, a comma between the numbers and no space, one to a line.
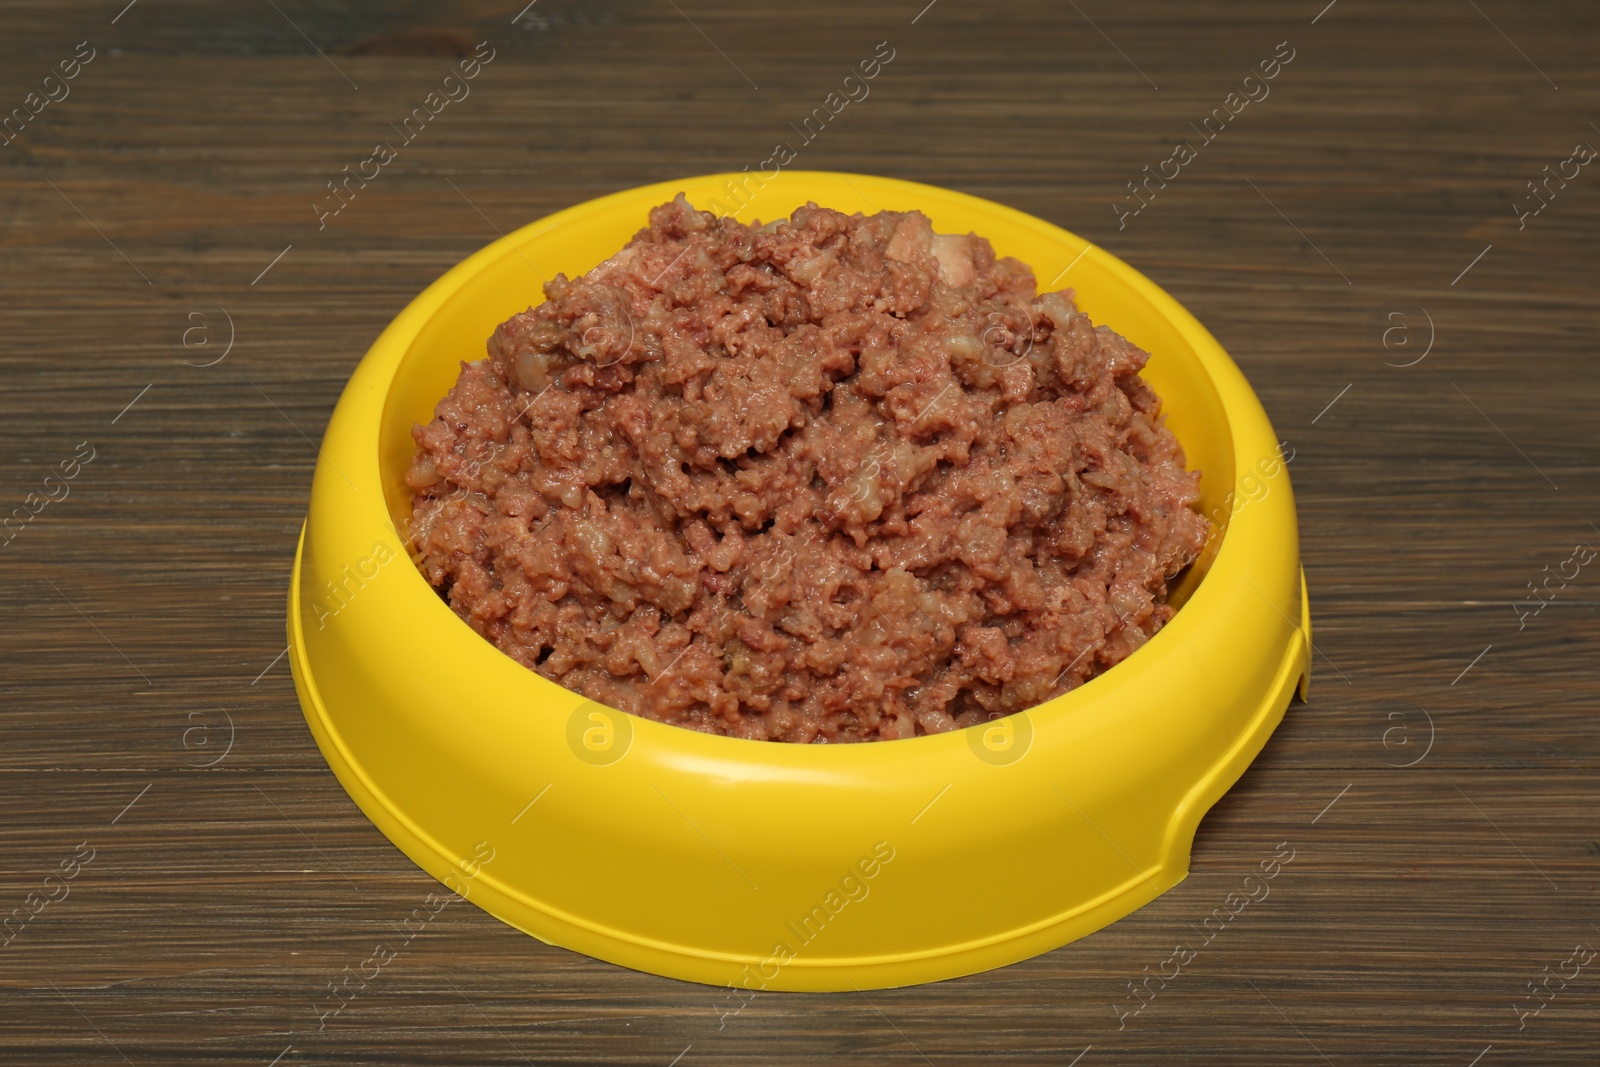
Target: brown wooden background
(144,611)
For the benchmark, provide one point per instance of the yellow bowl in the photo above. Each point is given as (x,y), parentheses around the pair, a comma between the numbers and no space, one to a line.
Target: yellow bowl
(780,866)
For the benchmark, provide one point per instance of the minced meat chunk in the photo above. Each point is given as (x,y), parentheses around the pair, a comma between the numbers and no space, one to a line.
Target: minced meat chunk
(835,478)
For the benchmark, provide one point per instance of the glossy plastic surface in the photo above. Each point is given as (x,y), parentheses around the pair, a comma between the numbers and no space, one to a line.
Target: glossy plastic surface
(769,865)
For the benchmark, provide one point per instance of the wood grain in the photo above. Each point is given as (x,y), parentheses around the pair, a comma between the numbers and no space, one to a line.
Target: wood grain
(145,610)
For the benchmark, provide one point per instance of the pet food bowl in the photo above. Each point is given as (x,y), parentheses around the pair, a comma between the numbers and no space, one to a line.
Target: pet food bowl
(768,865)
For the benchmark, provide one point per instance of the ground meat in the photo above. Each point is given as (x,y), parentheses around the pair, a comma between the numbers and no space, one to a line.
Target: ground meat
(836,478)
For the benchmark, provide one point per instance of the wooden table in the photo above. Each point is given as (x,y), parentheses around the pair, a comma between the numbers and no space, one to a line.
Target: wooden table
(1351,238)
